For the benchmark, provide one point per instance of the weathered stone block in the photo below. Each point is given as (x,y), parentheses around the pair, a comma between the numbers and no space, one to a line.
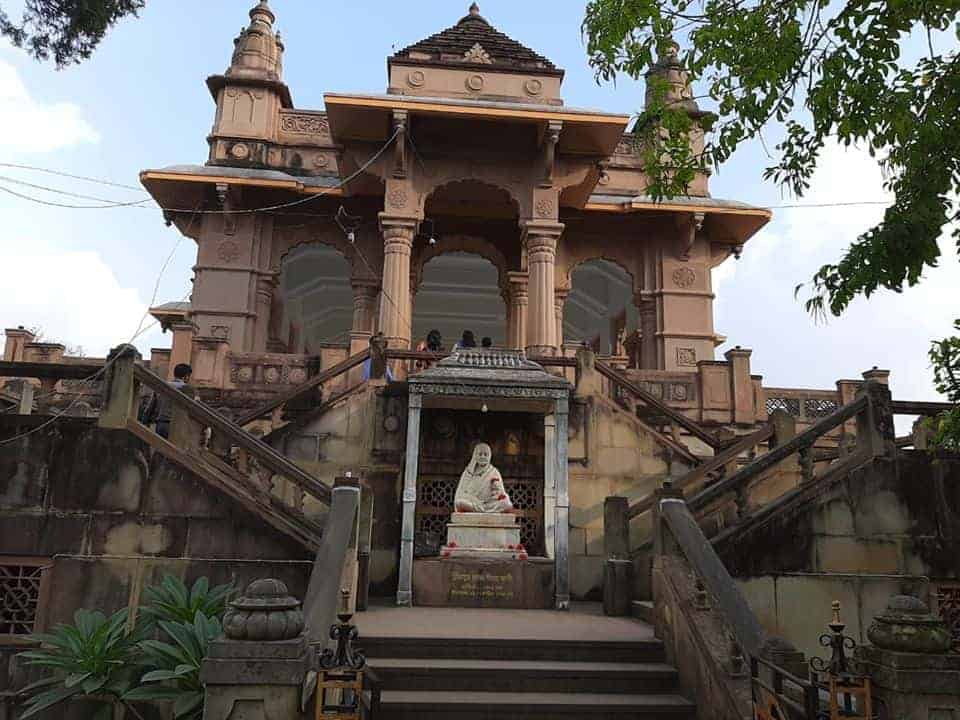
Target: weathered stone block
(857,555)
(126,535)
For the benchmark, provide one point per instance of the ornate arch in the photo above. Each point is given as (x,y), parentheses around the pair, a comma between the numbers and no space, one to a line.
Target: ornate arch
(453,177)
(572,267)
(335,240)
(472,244)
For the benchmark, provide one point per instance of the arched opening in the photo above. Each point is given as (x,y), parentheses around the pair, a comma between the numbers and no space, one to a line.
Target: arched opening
(459,291)
(317,298)
(600,311)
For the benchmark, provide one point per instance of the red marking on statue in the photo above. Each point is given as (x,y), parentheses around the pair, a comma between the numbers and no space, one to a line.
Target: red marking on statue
(502,496)
(453,544)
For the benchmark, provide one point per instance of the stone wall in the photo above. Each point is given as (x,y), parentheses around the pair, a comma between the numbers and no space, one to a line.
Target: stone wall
(611,453)
(111,520)
(887,528)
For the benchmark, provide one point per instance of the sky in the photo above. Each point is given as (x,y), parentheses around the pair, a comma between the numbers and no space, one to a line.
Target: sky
(86,277)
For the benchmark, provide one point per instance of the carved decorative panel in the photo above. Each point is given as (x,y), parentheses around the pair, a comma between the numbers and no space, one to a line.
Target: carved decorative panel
(21,597)
(948,605)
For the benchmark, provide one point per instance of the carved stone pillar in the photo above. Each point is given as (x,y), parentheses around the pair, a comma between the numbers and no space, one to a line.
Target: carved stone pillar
(395,308)
(559,300)
(365,293)
(265,292)
(540,238)
(519,298)
(647,308)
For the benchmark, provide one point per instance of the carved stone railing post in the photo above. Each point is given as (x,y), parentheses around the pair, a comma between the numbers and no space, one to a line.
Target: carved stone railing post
(618,568)
(875,431)
(258,669)
(120,388)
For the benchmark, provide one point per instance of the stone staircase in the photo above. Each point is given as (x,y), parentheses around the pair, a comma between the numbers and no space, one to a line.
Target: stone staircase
(534,678)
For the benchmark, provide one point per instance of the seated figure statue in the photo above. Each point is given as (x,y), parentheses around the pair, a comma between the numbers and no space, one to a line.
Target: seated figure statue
(481,489)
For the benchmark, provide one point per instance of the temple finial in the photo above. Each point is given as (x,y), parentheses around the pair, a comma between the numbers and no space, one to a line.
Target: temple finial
(258,51)
(474,9)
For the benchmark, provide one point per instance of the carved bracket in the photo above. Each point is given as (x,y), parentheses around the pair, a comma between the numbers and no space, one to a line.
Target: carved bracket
(691,226)
(400,144)
(549,151)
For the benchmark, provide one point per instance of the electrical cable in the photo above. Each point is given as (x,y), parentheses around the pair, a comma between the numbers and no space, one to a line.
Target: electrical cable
(243,211)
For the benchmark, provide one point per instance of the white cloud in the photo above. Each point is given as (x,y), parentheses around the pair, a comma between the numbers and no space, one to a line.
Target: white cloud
(73,296)
(29,126)
(756,306)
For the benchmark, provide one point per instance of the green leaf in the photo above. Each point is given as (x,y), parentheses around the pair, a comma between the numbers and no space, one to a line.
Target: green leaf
(187,703)
(44,700)
(75,679)
(153,692)
(94,683)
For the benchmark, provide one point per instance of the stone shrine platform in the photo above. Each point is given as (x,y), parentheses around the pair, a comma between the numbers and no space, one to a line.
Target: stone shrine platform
(484,582)
(474,534)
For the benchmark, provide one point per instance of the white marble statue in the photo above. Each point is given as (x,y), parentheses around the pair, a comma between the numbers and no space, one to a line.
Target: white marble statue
(481,487)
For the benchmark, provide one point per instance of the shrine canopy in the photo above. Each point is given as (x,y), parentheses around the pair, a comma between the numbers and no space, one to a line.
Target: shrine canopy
(495,379)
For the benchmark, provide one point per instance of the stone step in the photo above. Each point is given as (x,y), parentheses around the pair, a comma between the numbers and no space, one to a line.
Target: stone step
(642,610)
(476,705)
(523,675)
(611,651)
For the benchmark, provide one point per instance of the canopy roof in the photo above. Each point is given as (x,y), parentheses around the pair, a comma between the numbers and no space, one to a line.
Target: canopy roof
(474,41)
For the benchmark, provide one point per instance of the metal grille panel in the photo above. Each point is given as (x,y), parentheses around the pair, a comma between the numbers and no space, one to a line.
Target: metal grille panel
(20,594)
(791,406)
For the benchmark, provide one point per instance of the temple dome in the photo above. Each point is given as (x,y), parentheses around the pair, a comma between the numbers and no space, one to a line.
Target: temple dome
(473,41)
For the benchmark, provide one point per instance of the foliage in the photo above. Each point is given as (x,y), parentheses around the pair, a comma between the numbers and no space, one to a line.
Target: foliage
(94,656)
(97,655)
(176,673)
(825,71)
(171,600)
(945,356)
(69,30)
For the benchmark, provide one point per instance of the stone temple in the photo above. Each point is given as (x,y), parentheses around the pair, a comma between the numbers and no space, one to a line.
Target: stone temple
(647,519)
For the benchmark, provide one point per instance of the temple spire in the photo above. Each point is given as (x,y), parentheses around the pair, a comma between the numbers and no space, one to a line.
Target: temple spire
(258,50)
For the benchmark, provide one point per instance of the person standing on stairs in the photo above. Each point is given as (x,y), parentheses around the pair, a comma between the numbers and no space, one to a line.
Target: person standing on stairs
(160,410)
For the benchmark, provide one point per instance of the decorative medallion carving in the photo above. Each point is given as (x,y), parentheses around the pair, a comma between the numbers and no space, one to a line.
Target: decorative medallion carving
(321,160)
(240,151)
(391,423)
(397,198)
(305,124)
(416,78)
(221,332)
(544,207)
(684,277)
(474,83)
(687,357)
(679,392)
(297,375)
(271,374)
(533,87)
(477,54)
(228,251)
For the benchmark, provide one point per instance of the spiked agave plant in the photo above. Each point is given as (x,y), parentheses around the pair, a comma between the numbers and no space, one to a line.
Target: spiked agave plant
(95,656)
